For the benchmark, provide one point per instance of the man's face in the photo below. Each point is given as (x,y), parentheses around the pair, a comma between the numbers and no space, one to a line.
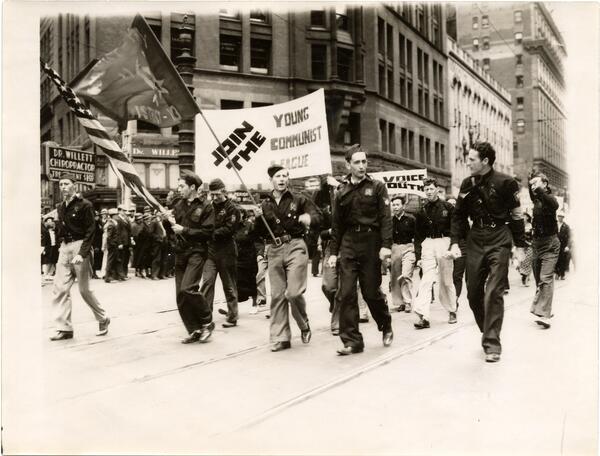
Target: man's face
(218,196)
(397,206)
(560,219)
(431,192)
(280,180)
(184,189)
(67,187)
(358,165)
(537,182)
(49,223)
(475,164)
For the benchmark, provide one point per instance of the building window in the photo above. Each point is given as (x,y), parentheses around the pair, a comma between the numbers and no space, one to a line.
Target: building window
(157,175)
(426,68)
(519,59)
(383,135)
(403,91)
(518,17)
(317,18)
(258,15)
(390,84)
(228,12)
(485,22)
(380,36)
(421,19)
(426,102)
(390,42)
(436,157)
(475,44)
(409,60)
(441,108)
(520,126)
(260,104)
(421,149)
(419,64)
(403,142)
(231,47)
(435,109)
(409,95)
(381,76)
(341,17)
(486,64)
(442,156)
(354,127)
(475,23)
(518,37)
(427,151)
(344,64)
(392,138)
(519,103)
(319,61)
(402,45)
(146,127)
(486,43)
(232,104)
(411,145)
(519,82)
(260,56)
(420,101)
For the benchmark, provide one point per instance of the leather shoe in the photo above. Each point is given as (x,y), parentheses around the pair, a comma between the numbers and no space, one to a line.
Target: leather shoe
(452,318)
(335,332)
(103,327)
(349,350)
(194,337)
(278,346)
(223,312)
(229,324)
(388,337)
(62,335)
(492,357)
(408,308)
(401,308)
(422,324)
(305,334)
(205,333)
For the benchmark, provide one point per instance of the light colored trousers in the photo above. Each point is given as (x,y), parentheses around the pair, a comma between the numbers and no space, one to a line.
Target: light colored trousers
(288,268)
(403,265)
(438,269)
(261,286)
(66,272)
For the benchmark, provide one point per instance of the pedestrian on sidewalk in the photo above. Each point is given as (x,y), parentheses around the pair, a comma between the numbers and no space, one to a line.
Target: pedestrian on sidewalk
(288,214)
(75,231)
(361,234)
(222,253)
(491,200)
(546,247)
(192,221)
(564,256)
(403,255)
(432,245)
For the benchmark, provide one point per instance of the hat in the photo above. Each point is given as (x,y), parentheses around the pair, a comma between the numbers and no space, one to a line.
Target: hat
(113,211)
(191,178)
(69,176)
(273,169)
(104,211)
(216,184)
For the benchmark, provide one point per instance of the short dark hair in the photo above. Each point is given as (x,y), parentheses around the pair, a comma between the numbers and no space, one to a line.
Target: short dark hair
(191,179)
(430,181)
(485,150)
(540,175)
(351,151)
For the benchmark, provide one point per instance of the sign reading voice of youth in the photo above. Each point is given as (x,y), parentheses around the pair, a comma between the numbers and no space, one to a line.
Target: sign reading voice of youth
(403,181)
(81,163)
(293,134)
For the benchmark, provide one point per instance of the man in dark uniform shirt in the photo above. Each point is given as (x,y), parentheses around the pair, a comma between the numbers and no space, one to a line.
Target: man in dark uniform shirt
(222,252)
(491,200)
(75,230)
(361,234)
(432,245)
(288,214)
(192,221)
(546,247)
(403,255)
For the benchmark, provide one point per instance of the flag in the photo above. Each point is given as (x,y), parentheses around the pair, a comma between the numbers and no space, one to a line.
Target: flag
(119,162)
(138,81)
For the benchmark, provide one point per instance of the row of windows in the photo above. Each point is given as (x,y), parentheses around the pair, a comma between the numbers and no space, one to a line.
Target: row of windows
(485,41)
(72,41)
(387,134)
(485,20)
(69,130)
(425,17)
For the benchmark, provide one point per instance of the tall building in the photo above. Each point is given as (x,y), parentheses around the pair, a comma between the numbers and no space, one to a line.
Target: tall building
(480,110)
(521,47)
(383,69)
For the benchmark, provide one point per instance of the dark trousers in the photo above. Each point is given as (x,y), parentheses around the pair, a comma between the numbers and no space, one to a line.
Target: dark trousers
(359,258)
(125,254)
(488,253)
(113,264)
(155,258)
(545,255)
(457,274)
(222,260)
(188,273)
(562,264)
(315,262)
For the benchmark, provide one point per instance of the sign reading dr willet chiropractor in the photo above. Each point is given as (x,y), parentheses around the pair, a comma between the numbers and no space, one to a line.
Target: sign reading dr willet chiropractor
(81,163)
(293,134)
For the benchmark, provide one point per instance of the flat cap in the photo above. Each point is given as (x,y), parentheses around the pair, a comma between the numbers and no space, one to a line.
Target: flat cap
(69,176)
(113,211)
(273,169)
(216,184)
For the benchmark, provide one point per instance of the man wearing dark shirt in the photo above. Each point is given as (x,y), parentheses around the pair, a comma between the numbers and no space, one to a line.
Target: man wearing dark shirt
(403,255)
(222,252)
(546,247)
(288,215)
(192,221)
(361,234)
(433,255)
(491,200)
(75,230)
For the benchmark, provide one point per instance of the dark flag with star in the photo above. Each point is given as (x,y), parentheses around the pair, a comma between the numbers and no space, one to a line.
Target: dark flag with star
(138,81)
(119,162)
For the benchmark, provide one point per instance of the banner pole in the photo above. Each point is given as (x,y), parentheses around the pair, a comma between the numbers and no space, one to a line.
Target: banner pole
(236,172)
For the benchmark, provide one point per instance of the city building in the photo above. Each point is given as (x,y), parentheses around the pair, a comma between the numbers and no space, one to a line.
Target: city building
(480,110)
(522,48)
(383,69)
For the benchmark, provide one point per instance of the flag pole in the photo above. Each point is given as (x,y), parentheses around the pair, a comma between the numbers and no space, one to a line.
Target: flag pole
(224,154)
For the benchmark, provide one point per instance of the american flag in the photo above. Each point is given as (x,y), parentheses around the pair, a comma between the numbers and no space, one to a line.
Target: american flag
(119,162)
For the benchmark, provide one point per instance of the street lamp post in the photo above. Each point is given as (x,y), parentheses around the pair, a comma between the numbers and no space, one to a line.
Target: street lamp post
(185,65)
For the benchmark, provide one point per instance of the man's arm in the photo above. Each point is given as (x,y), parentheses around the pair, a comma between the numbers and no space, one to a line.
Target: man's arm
(207,225)
(90,229)
(516,222)
(385,217)
(459,225)
(336,229)
(228,229)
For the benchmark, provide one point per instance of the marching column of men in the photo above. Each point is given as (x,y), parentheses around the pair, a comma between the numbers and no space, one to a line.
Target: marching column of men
(358,234)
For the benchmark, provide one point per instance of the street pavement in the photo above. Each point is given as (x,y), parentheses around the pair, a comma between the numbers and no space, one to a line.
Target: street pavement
(138,390)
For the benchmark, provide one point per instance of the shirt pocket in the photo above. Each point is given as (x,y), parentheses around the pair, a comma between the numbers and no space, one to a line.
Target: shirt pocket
(368,205)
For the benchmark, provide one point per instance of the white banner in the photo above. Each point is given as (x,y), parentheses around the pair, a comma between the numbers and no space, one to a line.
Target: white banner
(293,134)
(403,181)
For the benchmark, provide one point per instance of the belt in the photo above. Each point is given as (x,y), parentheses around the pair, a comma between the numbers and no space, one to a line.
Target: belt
(69,239)
(282,239)
(361,228)
(481,223)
